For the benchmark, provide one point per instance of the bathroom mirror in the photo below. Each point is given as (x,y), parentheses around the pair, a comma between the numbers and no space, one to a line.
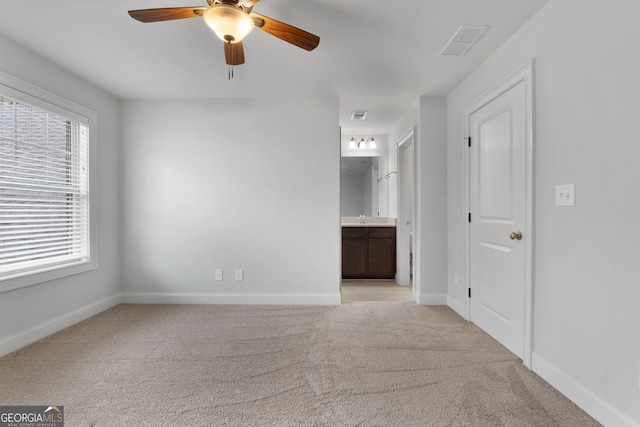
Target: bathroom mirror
(359,186)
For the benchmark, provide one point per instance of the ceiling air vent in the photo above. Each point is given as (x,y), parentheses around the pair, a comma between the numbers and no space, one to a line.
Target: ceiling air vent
(358,114)
(463,39)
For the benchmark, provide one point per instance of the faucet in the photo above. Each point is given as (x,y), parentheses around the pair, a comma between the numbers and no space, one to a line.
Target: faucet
(363,219)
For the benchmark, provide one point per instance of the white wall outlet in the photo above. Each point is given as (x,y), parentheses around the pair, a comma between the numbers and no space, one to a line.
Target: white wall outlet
(240,275)
(566,195)
(456,279)
(218,274)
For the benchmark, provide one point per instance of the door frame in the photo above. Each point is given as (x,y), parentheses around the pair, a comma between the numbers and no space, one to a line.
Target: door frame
(404,271)
(524,74)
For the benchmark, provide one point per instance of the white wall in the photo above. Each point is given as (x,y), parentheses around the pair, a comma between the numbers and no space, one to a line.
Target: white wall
(410,120)
(586,293)
(248,184)
(428,118)
(431,231)
(30,313)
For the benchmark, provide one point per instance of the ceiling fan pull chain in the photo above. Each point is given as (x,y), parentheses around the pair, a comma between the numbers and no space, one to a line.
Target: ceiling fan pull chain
(231,59)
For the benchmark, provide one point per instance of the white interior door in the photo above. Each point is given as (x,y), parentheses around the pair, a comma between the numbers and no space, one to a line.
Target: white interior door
(498,203)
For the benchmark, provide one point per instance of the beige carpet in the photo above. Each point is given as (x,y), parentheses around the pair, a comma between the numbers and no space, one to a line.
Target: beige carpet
(359,364)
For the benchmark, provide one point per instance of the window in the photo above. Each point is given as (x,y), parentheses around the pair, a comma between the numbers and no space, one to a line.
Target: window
(45,206)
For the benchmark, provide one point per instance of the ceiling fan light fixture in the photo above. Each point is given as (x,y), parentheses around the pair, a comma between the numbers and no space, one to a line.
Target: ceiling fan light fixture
(230,23)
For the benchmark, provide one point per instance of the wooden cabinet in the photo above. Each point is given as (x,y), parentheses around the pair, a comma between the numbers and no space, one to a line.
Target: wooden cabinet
(354,254)
(368,252)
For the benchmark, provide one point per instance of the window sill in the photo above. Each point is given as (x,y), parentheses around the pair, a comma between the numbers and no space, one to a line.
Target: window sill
(52,273)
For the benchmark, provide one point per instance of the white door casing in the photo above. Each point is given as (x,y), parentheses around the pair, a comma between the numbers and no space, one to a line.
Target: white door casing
(406,207)
(499,200)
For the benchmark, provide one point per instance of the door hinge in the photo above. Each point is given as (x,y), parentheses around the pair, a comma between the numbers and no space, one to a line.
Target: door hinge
(469,292)
(468,140)
(469,216)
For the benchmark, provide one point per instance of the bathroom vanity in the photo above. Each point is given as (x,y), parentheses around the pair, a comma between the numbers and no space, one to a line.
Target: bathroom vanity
(368,248)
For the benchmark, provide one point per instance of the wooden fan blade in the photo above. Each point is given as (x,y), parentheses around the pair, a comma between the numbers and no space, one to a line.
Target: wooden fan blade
(286,32)
(166,13)
(234,53)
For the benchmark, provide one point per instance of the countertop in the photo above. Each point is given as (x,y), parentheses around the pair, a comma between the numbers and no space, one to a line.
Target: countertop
(354,221)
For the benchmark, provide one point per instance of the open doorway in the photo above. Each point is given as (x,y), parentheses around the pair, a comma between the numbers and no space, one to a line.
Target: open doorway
(369,233)
(369,257)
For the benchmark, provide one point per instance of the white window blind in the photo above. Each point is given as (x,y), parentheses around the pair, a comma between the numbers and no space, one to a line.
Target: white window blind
(44,189)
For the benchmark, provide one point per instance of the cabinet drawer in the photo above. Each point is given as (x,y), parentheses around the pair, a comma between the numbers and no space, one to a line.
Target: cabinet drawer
(353,232)
(382,232)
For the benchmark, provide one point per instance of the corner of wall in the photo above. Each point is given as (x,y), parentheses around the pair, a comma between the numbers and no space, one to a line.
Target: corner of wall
(36,332)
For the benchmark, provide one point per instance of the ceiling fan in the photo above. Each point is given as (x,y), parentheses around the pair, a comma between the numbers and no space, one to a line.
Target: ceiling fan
(232,20)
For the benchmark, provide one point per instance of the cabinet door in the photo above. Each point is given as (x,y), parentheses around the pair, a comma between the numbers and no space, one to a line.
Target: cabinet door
(382,257)
(354,261)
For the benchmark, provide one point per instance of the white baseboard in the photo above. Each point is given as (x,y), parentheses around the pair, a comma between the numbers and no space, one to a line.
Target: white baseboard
(432,299)
(229,298)
(604,412)
(58,323)
(455,305)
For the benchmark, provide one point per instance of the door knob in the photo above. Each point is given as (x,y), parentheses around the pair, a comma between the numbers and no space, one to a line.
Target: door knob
(515,235)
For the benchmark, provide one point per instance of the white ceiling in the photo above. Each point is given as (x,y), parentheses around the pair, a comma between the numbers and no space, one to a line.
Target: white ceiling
(373,54)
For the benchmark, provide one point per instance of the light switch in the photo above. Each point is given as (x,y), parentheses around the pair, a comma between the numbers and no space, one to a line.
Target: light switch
(566,195)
